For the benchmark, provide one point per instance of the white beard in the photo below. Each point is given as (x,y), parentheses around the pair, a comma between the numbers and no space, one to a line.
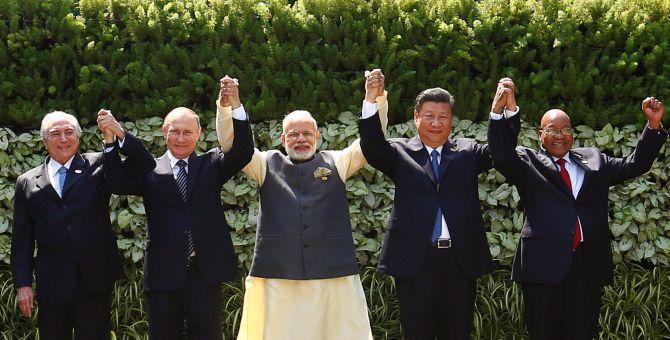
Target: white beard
(301,155)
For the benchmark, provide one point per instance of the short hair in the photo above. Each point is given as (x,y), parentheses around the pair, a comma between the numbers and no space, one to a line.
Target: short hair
(436,94)
(181,109)
(295,115)
(50,117)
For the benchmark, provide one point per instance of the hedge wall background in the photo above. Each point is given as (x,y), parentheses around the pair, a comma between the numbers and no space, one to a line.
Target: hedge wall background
(140,58)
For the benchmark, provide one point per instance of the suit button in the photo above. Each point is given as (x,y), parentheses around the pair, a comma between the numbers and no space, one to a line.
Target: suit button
(306,245)
(302,173)
(305,227)
(572,232)
(64,206)
(69,228)
(304,207)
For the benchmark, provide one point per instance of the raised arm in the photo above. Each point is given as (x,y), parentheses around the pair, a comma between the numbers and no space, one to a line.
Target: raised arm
(124,177)
(351,159)
(376,149)
(652,139)
(232,123)
(504,126)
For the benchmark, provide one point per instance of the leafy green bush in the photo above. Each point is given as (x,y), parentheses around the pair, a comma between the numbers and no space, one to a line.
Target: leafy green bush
(139,58)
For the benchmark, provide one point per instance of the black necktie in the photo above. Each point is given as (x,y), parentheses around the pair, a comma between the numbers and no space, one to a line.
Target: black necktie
(182,184)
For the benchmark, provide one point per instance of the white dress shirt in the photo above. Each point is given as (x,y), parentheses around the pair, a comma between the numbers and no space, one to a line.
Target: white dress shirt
(173,164)
(445,231)
(576,179)
(52,172)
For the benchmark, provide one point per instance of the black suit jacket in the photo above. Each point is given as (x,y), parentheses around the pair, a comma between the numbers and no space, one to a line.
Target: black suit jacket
(417,197)
(550,210)
(168,215)
(73,233)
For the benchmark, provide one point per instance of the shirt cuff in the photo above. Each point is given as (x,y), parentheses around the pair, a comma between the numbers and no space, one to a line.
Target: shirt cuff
(368,110)
(239,113)
(506,114)
(510,114)
(109,149)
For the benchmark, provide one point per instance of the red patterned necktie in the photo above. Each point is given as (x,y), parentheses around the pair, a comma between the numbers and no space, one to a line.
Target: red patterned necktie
(566,179)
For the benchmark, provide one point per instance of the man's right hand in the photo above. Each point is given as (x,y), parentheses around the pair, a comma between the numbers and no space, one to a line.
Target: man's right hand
(374,85)
(504,97)
(26,298)
(229,92)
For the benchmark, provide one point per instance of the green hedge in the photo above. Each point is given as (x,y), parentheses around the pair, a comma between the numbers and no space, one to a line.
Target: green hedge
(639,209)
(140,58)
(637,306)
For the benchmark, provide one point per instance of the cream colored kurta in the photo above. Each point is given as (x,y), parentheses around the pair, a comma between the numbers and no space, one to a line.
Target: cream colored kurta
(323,309)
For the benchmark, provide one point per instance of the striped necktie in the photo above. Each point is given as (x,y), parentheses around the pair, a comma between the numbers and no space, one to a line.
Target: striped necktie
(182,184)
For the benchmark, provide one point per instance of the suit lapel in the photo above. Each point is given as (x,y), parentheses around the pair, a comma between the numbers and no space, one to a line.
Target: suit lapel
(77,170)
(583,163)
(165,175)
(448,154)
(42,181)
(420,155)
(194,162)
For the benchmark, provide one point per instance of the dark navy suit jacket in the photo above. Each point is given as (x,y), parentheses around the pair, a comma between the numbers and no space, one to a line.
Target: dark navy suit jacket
(550,210)
(417,196)
(168,215)
(73,233)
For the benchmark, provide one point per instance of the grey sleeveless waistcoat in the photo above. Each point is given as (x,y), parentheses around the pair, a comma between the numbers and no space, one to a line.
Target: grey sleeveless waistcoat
(304,228)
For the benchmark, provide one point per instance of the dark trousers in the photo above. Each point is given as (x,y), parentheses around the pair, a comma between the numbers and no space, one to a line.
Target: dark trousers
(439,301)
(195,310)
(568,310)
(88,314)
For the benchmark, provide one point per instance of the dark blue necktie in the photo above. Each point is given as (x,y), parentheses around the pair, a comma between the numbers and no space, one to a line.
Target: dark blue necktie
(437,227)
(62,174)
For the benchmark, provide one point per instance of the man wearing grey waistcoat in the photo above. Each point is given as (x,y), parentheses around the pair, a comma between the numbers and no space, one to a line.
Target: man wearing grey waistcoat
(304,269)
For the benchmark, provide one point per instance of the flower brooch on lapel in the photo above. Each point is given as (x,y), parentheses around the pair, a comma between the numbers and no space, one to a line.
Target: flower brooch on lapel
(322,173)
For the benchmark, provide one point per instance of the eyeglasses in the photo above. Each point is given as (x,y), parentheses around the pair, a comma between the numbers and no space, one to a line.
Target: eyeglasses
(293,135)
(566,131)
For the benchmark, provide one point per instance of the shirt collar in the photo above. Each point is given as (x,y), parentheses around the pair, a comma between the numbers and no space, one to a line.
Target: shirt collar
(55,166)
(174,160)
(566,157)
(430,150)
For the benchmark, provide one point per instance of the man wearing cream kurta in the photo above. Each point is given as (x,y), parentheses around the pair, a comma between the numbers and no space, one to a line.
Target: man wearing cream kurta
(304,281)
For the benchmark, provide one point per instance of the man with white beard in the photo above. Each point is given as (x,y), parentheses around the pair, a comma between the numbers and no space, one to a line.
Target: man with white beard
(304,281)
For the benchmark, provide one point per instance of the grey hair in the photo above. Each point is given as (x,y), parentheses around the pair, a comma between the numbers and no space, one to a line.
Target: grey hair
(50,117)
(295,115)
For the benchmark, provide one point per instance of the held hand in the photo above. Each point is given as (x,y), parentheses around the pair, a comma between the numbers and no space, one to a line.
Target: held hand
(25,298)
(510,103)
(500,99)
(653,109)
(229,93)
(374,85)
(109,126)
